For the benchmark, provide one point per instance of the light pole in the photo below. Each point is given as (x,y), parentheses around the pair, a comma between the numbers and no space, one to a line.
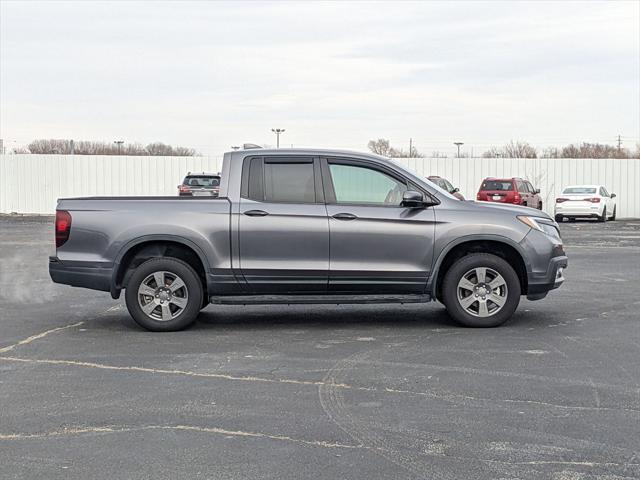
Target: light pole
(277,131)
(119,143)
(458,144)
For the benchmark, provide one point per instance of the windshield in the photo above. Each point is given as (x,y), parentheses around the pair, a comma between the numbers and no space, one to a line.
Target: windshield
(579,190)
(497,185)
(202,181)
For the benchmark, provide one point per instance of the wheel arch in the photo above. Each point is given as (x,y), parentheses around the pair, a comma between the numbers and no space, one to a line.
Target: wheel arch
(501,246)
(141,249)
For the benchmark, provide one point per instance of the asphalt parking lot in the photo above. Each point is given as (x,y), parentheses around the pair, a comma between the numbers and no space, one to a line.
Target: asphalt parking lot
(307,392)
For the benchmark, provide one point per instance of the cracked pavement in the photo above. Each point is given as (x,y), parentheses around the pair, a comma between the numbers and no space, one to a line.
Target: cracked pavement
(322,391)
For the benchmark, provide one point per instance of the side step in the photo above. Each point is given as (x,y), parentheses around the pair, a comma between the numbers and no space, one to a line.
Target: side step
(316,299)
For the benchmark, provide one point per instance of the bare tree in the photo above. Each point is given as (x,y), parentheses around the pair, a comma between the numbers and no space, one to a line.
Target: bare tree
(84,147)
(384,148)
(512,149)
(550,152)
(438,154)
(381,147)
(594,150)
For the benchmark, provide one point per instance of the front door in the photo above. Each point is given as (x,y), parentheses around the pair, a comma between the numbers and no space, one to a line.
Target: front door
(376,245)
(283,229)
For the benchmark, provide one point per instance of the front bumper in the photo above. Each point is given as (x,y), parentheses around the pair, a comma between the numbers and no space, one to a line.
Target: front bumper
(540,285)
(93,275)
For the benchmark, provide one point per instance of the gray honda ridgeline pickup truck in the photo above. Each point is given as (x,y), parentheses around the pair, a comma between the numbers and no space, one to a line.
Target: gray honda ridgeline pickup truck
(308,226)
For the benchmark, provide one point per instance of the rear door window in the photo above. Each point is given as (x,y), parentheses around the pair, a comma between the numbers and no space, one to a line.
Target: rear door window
(289,182)
(447,186)
(280,180)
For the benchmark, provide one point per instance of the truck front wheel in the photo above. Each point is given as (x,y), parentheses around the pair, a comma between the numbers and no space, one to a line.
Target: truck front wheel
(164,294)
(481,290)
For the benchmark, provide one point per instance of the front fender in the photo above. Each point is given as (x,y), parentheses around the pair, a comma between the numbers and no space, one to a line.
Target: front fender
(433,279)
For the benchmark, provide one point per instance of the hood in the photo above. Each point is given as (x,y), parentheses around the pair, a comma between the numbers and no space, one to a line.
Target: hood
(510,208)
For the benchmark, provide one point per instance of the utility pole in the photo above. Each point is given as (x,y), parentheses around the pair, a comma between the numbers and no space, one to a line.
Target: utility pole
(619,142)
(277,131)
(119,143)
(458,144)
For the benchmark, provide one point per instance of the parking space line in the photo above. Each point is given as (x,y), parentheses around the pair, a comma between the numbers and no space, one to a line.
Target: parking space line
(287,438)
(38,336)
(191,428)
(446,397)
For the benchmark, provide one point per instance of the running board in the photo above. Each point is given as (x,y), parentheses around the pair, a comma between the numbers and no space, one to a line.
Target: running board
(316,299)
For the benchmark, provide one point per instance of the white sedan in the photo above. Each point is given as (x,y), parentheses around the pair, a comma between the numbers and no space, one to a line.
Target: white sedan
(585,201)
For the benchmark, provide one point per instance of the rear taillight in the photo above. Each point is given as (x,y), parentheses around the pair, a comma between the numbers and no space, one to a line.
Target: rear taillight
(63,227)
(516,198)
(560,200)
(593,200)
(184,189)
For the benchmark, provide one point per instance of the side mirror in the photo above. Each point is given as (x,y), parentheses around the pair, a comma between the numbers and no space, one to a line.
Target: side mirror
(537,190)
(412,199)
(455,190)
(613,195)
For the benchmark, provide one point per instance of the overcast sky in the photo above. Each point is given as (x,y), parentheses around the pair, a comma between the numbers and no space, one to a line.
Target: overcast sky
(212,74)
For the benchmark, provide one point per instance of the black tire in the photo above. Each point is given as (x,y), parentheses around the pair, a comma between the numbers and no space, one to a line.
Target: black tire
(540,206)
(603,217)
(193,287)
(559,218)
(613,217)
(462,267)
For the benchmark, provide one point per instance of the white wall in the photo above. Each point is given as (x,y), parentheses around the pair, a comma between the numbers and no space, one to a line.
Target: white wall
(32,183)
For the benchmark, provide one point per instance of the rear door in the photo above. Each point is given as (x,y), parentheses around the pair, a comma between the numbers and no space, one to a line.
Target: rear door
(523,191)
(283,226)
(376,245)
(534,198)
(606,197)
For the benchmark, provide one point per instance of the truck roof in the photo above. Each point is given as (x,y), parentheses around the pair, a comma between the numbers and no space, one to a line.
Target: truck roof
(304,151)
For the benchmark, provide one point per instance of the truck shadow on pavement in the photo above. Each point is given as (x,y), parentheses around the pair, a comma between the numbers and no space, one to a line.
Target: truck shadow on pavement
(323,317)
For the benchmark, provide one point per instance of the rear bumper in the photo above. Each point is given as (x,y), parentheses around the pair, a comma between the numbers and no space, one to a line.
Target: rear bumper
(540,285)
(93,275)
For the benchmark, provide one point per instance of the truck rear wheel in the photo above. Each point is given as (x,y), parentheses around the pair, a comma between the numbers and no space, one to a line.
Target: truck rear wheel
(481,290)
(164,295)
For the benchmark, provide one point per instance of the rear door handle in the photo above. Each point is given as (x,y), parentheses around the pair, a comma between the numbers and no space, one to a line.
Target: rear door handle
(256,213)
(344,216)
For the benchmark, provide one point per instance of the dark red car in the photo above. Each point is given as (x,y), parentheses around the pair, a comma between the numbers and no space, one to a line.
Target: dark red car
(445,184)
(510,190)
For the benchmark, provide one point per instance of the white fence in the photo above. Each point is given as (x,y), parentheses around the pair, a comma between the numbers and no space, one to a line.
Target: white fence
(32,183)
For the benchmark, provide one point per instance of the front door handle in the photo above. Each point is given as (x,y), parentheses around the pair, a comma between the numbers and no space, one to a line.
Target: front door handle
(344,216)
(256,213)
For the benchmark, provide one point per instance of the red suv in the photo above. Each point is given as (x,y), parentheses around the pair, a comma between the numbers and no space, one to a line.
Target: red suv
(510,190)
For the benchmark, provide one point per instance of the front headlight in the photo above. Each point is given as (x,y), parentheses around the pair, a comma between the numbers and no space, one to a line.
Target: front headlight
(543,225)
